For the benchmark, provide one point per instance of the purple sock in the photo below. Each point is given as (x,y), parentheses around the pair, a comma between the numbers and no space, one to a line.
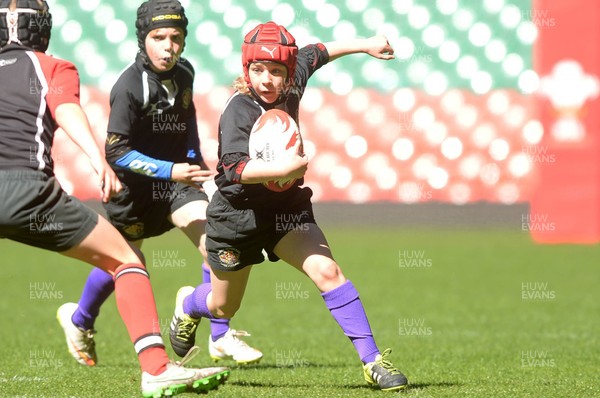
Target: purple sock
(195,304)
(218,327)
(344,304)
(98,287)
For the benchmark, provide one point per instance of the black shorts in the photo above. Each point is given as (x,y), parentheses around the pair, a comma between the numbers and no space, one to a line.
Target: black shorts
(142,210)
(36,211)
(236,238)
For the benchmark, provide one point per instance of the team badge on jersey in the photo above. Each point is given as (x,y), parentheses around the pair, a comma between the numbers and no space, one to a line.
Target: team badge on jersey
(229,257)
(186,98)
(112,138)
(134,231)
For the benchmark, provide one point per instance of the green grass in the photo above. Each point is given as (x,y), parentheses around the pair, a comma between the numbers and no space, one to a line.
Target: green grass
(473,333)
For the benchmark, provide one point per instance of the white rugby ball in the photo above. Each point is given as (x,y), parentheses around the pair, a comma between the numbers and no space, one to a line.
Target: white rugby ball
(272,135)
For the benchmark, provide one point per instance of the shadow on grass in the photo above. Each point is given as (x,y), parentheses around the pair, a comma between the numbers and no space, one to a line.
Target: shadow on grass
(418,387)
(422,386)
(307,365)
(411,387)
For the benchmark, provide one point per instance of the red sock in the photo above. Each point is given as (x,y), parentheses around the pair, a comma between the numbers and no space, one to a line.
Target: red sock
(137,307)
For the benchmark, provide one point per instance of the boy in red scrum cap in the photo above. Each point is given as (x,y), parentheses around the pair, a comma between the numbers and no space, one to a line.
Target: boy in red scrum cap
(243,214)
(39,94)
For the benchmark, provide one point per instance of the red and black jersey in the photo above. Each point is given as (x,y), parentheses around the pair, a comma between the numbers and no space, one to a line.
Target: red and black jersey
(237,119)
(33,85)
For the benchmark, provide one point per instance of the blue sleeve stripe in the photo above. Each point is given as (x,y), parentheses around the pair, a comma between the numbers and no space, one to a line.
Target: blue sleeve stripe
(142,164)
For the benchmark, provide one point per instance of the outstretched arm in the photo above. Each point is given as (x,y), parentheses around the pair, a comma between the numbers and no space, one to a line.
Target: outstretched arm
(376,46)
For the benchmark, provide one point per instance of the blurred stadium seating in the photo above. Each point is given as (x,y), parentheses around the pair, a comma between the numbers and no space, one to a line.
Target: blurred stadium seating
(450,119)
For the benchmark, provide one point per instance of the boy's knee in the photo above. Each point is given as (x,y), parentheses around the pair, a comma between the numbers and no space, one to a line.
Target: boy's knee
(226,311)
(329,270)
(327,274)
(224,308)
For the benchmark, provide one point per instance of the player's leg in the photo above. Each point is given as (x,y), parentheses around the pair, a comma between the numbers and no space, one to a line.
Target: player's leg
(223,342)
(77,319)
(104,247)
(98,287)
(110,252)
(191,219)
(308,251)
(219,299)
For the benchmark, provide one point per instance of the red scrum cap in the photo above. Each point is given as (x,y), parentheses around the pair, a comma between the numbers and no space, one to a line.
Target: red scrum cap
(269,42)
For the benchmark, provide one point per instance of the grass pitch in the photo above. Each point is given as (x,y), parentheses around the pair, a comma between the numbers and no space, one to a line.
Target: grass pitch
(469,313)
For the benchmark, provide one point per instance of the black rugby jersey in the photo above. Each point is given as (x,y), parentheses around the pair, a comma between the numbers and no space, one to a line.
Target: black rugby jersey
(237,119)
(153,114)
(32,86)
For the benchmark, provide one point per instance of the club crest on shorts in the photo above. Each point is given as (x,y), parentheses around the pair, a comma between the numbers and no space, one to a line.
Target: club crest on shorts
(134,231)
(229,257)
(187,98)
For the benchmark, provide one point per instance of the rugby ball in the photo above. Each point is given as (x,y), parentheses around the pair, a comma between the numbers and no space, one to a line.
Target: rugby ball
(272,135)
